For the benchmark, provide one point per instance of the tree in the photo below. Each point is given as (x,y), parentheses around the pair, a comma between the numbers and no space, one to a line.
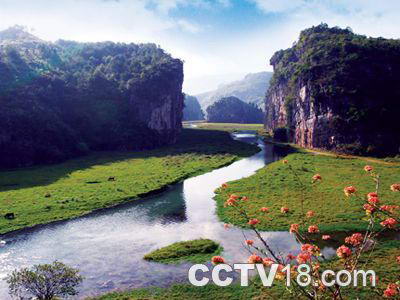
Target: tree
(44,281)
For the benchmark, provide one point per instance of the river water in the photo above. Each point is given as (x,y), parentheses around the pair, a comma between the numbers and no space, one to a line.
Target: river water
(108,246)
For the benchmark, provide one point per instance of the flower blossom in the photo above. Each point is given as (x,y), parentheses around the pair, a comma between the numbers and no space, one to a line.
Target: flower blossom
(227,226)
(268,261)
(312,249)
(253,222)
(368,168)
(310,214)
(373,201)
(294,228)
(313,229)
(389,223)
(290,257)
(372,195)
(303,257)
(395,187)
(224,185)
(355,239)
(343,252)
(398,259)
(255,259)
(391,290)
(264,209)
(249,242)
(284,210)
(244,198)
(285,161)
(349,190)
(326,237)
(368,208)
(217,260)
(389,208)
(317,177)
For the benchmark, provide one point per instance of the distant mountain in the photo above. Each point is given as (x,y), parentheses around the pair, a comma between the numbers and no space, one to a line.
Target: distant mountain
(234,110)
(251,89)
(192,110)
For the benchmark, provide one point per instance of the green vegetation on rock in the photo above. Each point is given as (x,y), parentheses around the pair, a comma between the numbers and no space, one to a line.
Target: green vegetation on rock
(76,187)
(195,251)
(234,110)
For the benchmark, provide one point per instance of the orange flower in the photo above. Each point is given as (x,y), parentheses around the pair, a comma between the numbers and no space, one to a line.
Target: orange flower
(389,223)
(312,249)
(230,202)
(290,256)
(343,252)
(373,201)
(227,226)
(249,242)
(368,168)
(391,290)
(255,259)
(303,257)
(284,210)
(313,229)
(355,239)
(372,195)
(233,196)
(294,228)
(398,259)
(217,260)
(253,222)
(389,208)
(368,208)
(264,209)
(267,261)
(395,187)
(244,198)
(224,185)
(317,177)
(285,161)
(326,237)
(310,214)
(349,190)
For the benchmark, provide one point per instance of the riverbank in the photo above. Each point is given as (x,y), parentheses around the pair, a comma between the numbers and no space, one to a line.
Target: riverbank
(276,186)
(384,264)
(229,127)
(51,193)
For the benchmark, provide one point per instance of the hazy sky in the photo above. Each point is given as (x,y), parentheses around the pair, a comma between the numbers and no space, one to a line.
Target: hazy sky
(219,40)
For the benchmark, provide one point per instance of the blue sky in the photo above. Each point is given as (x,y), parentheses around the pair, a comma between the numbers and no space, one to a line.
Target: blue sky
(219,40)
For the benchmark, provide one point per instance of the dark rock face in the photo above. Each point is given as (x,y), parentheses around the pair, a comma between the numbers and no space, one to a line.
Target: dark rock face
(62,99)
(192,110)
(337,90)
(234,110)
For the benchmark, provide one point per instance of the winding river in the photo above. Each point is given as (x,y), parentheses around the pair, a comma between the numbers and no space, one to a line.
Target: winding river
(108,246)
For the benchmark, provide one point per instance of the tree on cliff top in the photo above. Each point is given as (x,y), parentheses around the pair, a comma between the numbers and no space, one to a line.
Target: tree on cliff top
(234,110)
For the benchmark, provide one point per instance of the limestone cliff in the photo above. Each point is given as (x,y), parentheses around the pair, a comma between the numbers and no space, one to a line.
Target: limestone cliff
(62,99)
(337,90)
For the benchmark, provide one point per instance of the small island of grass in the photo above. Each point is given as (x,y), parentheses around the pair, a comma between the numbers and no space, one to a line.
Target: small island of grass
(195,251)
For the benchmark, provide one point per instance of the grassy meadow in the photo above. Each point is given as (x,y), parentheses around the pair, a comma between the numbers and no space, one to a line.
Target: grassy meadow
(230,127)
(76,187)
(195,251)
(276,186)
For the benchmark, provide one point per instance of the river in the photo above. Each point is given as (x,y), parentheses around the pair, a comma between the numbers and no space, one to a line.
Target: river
(108,246)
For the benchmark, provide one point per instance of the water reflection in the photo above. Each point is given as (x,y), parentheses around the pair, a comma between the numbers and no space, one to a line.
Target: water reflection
(108,246)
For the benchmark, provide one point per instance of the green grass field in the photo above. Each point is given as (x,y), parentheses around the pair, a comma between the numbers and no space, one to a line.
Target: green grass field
(76,187)
(275,186)
(195,251)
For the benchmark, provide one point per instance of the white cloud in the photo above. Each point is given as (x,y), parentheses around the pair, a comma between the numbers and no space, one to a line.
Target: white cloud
(188,26)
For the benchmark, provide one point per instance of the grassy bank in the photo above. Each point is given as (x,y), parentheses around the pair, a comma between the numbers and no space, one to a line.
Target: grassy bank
(48,193)
(230,127)
(276,186)
(384,264)
(195,251)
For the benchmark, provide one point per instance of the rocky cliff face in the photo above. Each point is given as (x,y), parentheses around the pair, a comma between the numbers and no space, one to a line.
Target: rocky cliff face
(62,99)
(337,90)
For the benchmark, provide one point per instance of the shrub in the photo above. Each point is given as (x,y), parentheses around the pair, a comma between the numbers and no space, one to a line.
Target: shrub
(44,282)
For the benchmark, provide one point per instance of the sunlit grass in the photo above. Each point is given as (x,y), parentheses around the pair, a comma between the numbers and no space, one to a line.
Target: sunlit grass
(56,192)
